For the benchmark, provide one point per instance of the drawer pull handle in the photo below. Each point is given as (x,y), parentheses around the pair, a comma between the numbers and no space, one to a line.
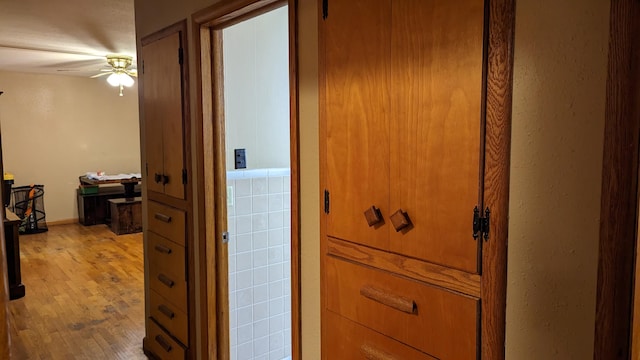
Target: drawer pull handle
(163,249)
(165,280)
(371,353)
(166,311)
(165,345)
(400,220)
(373,216)
(397,302)
(163,217)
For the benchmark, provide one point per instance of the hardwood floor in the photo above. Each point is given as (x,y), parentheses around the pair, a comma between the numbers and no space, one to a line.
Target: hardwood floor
(84,295)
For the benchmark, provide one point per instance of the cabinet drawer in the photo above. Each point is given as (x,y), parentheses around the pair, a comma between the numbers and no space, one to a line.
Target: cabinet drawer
(161,344)
(435,321)
(168,284)
(166,255)
(167,315)
(166,221)
(344,339)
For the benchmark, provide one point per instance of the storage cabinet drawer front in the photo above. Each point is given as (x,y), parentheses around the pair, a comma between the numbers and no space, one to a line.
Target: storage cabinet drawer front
(168,285)
(170,317)
(162,345)
(166,255)
(438,322)
(167,221)
(344,339)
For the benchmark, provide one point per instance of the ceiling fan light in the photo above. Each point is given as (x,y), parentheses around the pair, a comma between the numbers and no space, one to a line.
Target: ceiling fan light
(114,79)
(126,80)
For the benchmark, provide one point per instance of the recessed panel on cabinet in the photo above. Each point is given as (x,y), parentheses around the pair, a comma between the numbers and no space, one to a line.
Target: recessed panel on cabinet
(169,316)
(163,116)
(166,254)
(435,130)
(356,114)
(345,339)
(438,322)
(166,221)
(170,285)
(161,344)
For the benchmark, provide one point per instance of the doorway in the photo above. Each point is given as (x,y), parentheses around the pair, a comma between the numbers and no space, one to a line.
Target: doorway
(248,157)
(258,178)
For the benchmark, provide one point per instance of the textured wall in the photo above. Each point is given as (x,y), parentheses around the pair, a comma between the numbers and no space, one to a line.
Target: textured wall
(556,165)
(56,128)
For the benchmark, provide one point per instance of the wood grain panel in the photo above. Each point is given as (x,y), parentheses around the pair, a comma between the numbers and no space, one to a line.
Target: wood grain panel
(345,339)
(356,117)
(619,202)
(436,94)
(443,325)
(169,316)
(166,254)
(162,345)
(496,175)
(166,221)
(437,275)
(165,114)
(153,105)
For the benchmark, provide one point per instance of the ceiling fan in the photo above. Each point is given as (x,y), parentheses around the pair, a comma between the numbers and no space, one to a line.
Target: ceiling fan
(119,74)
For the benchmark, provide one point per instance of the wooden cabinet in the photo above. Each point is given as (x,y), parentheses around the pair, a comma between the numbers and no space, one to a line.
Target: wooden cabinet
(169,244)
(164,121)
(403,94)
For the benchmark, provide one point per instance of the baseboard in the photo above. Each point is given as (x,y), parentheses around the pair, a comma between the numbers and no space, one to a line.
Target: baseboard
(62,222)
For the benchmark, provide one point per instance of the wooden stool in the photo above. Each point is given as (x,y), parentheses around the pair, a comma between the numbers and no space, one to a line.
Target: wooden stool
(126,215)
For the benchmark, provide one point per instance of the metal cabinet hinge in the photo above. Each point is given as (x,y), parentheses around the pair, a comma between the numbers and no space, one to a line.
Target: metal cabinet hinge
(481,224)
(225,237)
(180,56)
(184,176)
(325,9)
(326,201)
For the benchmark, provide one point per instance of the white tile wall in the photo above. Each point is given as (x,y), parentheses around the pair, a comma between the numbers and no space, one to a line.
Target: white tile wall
(259,225)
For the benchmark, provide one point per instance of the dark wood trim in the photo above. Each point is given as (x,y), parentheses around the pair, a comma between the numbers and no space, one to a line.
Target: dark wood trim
(207,26)
(296,219)
(496,174)
(619,202)
(225,14)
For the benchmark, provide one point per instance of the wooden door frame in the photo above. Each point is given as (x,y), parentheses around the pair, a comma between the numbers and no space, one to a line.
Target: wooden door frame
(210,147)
(619,198)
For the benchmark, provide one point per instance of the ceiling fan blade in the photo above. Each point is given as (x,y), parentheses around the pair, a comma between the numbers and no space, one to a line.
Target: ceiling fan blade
(132,72)
(101,74)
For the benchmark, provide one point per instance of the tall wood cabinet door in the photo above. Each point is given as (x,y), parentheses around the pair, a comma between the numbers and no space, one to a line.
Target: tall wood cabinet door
(435,126)
(164,122)
(356,106)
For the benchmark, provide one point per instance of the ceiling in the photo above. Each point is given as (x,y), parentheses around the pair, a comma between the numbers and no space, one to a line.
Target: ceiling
(64,37)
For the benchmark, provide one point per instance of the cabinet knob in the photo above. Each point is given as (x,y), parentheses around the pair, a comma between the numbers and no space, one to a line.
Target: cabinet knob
(400,220)
(157,178)
(165,179)
(373,216)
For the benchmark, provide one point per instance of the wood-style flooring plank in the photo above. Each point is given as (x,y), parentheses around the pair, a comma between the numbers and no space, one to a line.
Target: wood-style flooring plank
(84,295)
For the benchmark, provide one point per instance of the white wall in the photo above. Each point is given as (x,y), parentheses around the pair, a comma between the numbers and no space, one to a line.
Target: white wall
(56,128)
(256,90)
(556,165)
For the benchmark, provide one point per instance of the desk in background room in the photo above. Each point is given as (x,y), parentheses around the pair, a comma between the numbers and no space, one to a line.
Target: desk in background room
(94,195)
